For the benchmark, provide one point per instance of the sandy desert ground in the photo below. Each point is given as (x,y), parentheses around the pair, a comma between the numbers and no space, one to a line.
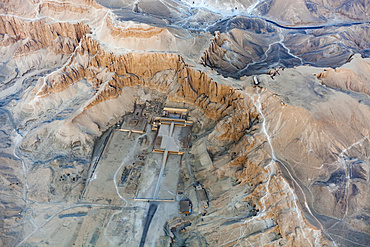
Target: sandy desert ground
(273,149)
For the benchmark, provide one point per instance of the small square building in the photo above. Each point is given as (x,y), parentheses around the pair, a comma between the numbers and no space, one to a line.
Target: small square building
(185,206)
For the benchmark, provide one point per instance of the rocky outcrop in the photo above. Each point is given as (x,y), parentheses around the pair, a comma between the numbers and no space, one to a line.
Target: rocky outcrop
(238,125)
(276,174)
(238,50)
(237,144)
(177,78)
(249,195)
(229,53)
(37,35)
(353,76)
(79,7)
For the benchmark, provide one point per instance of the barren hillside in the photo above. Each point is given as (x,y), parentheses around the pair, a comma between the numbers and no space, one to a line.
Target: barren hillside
(275,96)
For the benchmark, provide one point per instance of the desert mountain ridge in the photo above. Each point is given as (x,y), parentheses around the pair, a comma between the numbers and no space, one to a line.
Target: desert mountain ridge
(277,99)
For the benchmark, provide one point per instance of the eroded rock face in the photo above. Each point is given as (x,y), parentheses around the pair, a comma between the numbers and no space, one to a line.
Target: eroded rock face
(234,55)
(36,35)
(328,164)
(215,100)
(38,45)
(108,75)
(281,173)
(239,127)
(353,76)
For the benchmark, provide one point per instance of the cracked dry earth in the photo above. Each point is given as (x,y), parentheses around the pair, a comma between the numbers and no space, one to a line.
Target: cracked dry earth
(289,157)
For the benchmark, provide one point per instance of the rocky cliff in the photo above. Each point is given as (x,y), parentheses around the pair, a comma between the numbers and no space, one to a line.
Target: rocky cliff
(288,158)
(353,76)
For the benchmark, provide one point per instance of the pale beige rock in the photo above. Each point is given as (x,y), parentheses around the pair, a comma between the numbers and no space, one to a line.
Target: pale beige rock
(260,194)
(352,76)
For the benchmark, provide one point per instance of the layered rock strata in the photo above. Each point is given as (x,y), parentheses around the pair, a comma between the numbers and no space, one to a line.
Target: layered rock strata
(239,126)
(280,174)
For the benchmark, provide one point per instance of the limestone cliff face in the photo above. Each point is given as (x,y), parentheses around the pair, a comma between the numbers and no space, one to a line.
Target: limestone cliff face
(35,44)
(266,202)
(36,35)
(72,8)
(176,78)
(102,79)
(34,9)
(246,186)
(328,173)
(239,132)
(353,76)
(275,170)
